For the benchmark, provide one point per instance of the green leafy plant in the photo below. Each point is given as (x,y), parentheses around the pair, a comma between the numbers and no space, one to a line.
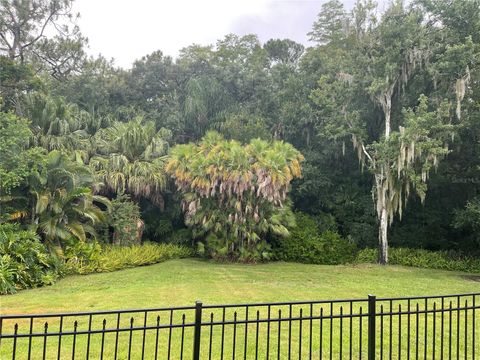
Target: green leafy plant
(181,237)
(125,220)
(446,260)
(306,245)
(63,204)
(24,261)
(79,254)
(113,258)
(130,159)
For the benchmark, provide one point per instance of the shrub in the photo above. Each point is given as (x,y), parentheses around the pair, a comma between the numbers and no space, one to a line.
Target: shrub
(125,220)
(24,261)
(446,260)
(369,255)
(307,245)
(80,254)
(113,258)
(181,237)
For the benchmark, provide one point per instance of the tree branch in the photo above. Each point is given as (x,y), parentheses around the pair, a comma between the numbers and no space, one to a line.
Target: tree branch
(364,149)
(41,32)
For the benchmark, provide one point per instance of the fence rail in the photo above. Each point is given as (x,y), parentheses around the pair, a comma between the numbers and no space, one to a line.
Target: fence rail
(430,327)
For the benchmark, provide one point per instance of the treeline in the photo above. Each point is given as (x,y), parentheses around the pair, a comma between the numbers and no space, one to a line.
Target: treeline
(384,106)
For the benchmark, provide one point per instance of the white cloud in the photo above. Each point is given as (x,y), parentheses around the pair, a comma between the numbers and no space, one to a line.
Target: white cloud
(127,30)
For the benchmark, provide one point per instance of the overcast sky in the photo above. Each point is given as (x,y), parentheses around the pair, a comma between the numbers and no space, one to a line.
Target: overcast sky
(129,29)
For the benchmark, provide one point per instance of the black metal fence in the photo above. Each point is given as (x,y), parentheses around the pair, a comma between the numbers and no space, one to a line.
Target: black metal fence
(429,327)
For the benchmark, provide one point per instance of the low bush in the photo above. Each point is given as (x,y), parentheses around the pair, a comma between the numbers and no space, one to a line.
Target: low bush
(24,261)
(125,220)
(446,260)
(306,245)
(113,258)
(181,237)
(81,254)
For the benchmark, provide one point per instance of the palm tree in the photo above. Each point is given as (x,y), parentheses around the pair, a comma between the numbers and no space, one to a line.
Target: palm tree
(131,159)
(64,206)
(235,194)
(57,125)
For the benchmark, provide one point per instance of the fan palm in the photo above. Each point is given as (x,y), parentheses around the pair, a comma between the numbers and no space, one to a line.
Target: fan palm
(234,194)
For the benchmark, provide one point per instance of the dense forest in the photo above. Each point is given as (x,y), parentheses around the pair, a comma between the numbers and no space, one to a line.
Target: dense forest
(371,135)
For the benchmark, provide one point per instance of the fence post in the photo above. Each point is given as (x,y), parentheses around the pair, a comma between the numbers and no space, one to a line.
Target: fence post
(197,330)
(371,326)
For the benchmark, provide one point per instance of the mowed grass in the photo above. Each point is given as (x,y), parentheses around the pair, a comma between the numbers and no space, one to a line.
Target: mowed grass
(181,282)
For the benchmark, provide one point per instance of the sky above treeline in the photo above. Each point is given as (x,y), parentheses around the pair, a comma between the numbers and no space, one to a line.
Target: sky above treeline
(129,29)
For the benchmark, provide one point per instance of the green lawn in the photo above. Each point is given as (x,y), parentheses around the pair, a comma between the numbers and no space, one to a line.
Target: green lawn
(181,282)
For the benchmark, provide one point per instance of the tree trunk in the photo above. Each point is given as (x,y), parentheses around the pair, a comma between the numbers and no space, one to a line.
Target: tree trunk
(386,101)
(388,110)
(382,237)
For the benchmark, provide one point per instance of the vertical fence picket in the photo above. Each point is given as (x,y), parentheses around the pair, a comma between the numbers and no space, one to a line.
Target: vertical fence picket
(104,325)
(458,327)
(60,329)
(360,332)
(341,333)
(130,338)
(157,334)
(310,333)
(473,326)
(88,335)
(381,332)
(256,335)
(211,337)
(75,325)
(408,328)
(234,338)
(372,316)
(14,348)
(246,334)
(321,333)
(442,328)
(331,332)
(144,333)
(44,356)
(300,335)
(279,333)
(197,331)
(351,330)
(416,331)
(182,337)
(466,330)
(269,309)
(30,340)
(425,331)
(434,330)
(399,331)
(450,331)
(170,329)
(390,332)
(223,333)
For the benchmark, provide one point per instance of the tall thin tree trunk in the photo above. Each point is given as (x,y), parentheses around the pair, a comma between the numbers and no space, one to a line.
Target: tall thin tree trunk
(385,100)
(388,109)
(382,237)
